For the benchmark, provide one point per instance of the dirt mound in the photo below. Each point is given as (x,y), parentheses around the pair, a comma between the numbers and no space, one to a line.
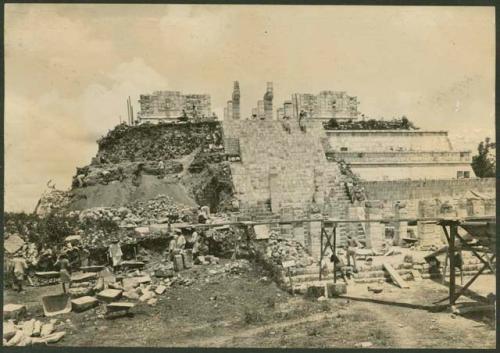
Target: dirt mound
(117,194)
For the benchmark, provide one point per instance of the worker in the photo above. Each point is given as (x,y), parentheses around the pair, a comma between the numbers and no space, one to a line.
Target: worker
(115,253)
(302,121)
(180,242)
(340,268)
(194,244)
(161,169)
(351,247)
(79,178)
(84,255)
(202,217)
(172,246)
(64,271)
(18,269)
(286,124)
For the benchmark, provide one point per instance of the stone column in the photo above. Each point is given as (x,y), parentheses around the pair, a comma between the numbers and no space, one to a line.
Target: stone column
(229,110)
(236,101)
(375,232)
(260,110)
(268,102)
(401,228)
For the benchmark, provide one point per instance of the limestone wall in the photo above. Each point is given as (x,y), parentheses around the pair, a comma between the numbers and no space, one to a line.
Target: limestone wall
(416,171)
(423,189)
(427,199)
(395,157)
(164,105)
(388,140)
(277,168)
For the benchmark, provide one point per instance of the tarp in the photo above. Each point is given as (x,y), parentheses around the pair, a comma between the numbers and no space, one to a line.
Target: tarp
(13,243)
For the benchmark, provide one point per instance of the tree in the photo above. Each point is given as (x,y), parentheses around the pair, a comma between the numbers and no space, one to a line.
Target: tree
(483,163)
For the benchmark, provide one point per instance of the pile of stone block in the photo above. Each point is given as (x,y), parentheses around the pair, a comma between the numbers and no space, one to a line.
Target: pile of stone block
(21,333)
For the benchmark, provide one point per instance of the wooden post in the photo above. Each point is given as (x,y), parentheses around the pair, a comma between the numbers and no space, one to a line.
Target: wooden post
(321,251)
(334,252)
(451,249)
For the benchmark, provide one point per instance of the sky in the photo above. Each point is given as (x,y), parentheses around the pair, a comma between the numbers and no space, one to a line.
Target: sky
(69,69)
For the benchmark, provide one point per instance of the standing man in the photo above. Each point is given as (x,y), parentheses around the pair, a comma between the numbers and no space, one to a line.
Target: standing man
(19,267)
(84,255)
(172,246)
(302,122)
(161,168)
(115,253)
(180,242)
(351,247)
(64,271)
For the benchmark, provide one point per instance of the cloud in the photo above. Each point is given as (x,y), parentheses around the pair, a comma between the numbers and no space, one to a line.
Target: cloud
(48,137)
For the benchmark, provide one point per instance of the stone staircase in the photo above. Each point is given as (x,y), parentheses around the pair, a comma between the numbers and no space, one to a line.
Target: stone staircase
(309,276)
(287,174)
(278,170)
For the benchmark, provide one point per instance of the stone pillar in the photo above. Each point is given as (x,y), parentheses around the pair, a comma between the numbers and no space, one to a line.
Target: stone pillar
(229,110)
(375,232)
(429,234)
(462,208)
(236,101)
(260,110)
(268,102)
(315,239)
(401,228)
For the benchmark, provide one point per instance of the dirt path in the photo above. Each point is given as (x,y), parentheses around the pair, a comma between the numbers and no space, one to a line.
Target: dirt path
(221,341)
(401,330)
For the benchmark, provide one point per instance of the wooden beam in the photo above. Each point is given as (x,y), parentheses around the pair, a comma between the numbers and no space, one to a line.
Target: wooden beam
(475,253)
(334,252)
(396,278)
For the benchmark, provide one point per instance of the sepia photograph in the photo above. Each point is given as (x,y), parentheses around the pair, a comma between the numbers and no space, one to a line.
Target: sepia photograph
(249,176)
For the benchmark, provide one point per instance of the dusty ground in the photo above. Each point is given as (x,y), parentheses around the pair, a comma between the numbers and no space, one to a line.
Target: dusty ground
(246,310)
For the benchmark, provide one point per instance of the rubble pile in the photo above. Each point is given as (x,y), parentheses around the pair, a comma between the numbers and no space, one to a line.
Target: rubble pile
(31,332)
(52,201)
(157,142)
(161,209)
(371,124)
(105,173)
(122,216)
(201,161)
(280,250)
(223,241)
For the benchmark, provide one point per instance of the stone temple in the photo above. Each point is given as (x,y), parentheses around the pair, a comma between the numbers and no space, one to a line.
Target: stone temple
(348,174)
(163,106)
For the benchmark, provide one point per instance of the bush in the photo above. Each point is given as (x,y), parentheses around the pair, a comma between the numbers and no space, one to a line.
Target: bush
(252,316)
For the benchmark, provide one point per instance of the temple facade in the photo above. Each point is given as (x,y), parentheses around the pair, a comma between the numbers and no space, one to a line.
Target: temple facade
(163,106)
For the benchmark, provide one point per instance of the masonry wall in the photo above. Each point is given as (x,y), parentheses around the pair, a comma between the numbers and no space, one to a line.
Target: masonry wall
(425,189)
(427,199)
(381,172)
(388,140)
